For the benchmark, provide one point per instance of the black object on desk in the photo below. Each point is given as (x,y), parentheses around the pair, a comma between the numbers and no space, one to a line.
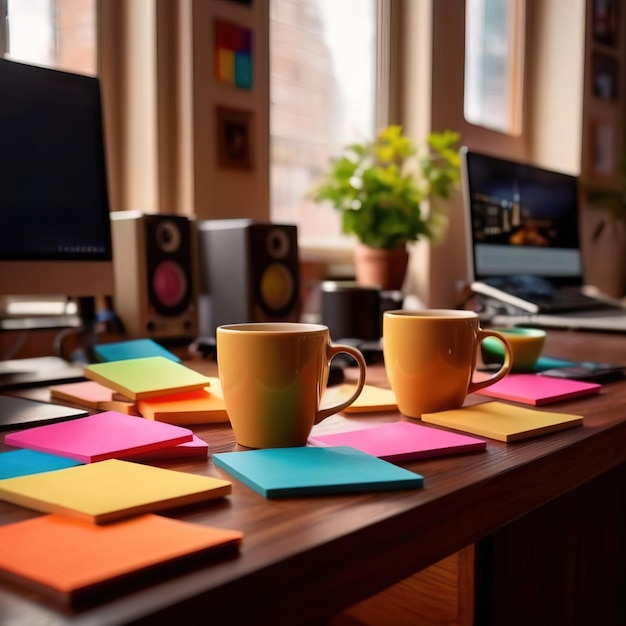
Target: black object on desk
(588,371)
(372,351)
(22,412)
(36,372)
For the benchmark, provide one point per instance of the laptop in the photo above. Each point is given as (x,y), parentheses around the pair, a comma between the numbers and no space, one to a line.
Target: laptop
(523,244)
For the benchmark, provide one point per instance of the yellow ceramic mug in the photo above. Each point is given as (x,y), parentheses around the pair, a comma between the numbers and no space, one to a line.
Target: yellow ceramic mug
(273,376)
(430,358)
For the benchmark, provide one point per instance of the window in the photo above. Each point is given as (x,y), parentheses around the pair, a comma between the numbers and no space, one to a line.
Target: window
(323,61)
(55,33)
(494,64)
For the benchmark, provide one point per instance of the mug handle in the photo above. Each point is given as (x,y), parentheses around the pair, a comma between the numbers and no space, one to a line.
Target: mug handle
(504,369)
(331,351)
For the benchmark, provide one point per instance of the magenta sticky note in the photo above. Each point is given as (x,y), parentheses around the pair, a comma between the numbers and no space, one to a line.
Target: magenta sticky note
(534,389)
(402,441)
(195,448)
(101,436)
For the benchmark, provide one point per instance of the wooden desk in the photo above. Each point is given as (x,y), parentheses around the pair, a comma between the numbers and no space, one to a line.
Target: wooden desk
(547,516)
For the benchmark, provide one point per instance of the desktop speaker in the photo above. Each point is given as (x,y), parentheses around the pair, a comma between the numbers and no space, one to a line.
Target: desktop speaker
(155,277)
(249,271)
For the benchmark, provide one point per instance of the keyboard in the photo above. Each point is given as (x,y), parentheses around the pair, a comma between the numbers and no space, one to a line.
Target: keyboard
(567,300)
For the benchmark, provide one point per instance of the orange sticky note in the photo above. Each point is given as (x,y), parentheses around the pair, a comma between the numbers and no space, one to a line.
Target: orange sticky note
(202,406)
(66,558)
(87,393)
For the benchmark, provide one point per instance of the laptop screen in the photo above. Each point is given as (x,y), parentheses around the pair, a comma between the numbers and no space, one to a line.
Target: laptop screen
(523,221)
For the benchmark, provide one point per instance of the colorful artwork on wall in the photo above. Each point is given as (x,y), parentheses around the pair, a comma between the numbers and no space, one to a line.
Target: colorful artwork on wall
(233,54)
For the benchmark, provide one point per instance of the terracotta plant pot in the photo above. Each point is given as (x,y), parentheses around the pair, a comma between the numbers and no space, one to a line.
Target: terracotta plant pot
(377,267)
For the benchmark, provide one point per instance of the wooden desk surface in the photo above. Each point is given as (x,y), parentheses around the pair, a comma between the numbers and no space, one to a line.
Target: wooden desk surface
(304,559)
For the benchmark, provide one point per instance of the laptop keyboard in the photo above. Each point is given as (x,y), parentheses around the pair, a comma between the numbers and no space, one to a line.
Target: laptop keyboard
(566,300)
(548,298)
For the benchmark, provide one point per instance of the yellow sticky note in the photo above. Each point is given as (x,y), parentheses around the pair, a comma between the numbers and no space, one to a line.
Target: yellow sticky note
(109,490)
(501,421)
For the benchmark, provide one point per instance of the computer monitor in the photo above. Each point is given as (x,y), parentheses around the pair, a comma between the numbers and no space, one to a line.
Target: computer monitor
(55,232)
(523,220)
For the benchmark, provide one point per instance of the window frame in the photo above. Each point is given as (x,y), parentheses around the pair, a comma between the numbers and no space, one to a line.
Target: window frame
(4,31)
(516,34)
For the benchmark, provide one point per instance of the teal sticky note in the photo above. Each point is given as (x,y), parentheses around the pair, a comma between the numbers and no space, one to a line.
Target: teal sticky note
(27,462)
(131,349)
(279,472)
(548,362)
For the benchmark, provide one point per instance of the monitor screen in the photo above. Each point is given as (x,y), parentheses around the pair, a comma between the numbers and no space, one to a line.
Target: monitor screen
(523,220)
(55,232)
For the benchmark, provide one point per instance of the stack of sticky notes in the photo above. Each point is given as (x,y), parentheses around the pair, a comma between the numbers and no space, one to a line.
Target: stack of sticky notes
(537,390)
(110,435)
(146,377)
(93,395)
(163,390)
(102,527)
(305,470)
(401,441)
(503,421)
(108,490)
(90,475)
(80,472)
(69,560)
(152,382)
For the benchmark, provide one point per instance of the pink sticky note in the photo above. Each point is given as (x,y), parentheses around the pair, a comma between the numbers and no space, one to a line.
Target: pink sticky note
(534,389)
(194,448)
(102,436)
(402,441)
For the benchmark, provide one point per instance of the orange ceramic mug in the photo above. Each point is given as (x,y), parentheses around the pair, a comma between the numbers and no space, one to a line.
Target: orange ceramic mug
(430,358)
(273,377)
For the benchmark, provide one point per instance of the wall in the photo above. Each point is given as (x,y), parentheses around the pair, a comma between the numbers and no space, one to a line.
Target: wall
(603,138)
(219,192)
(161,94)
(556,62)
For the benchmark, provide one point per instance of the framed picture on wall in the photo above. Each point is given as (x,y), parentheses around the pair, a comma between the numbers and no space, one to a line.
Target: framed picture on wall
(234,138)
(605,76)
(605,22)
(603,143)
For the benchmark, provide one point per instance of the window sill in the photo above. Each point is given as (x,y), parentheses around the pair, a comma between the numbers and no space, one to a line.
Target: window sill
(334,261)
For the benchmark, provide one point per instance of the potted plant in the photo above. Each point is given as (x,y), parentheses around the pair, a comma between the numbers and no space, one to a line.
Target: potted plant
(381,188)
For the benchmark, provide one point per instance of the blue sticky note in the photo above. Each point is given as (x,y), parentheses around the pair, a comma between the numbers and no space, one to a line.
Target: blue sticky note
(279,472)
(132,349)
(25,462)
(548,362)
